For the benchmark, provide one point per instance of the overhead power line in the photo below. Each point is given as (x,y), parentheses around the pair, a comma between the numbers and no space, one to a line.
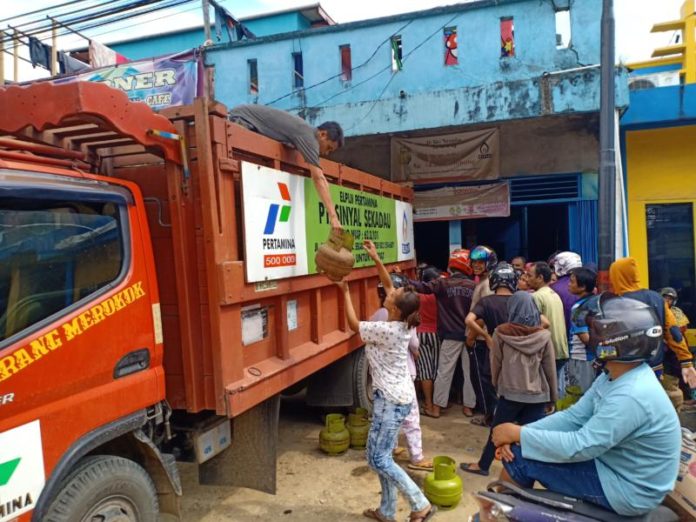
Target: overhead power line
(118,16)
(15,17)
(86,16)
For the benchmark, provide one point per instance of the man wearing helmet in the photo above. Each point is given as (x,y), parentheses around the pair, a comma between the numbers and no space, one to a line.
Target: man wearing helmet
(483,261)
(670,296)
(563,263)
(617,447)
(453,296)
(484,318)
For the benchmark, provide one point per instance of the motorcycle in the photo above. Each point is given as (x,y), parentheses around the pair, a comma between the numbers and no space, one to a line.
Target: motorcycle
(504,502)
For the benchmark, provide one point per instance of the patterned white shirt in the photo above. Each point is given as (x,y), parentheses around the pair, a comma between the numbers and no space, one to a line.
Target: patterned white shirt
(386,347)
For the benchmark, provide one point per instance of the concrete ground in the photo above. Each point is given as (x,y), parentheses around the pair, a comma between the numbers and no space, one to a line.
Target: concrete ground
(313,487)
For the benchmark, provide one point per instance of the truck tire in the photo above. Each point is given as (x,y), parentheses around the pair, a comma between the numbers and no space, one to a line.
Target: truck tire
(362,382)
(105,488)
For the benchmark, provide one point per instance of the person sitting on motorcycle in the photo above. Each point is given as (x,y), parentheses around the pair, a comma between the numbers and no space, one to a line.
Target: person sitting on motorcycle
(617,447)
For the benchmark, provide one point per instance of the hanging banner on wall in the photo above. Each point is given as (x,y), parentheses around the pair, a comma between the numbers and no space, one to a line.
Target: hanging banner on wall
(464,156)
(478,201)
(160,82)
(285,222)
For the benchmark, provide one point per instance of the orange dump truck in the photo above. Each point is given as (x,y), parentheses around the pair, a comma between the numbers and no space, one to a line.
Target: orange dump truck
(158,293)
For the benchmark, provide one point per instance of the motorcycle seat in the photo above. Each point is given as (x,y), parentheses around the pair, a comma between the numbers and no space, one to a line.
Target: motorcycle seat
(561,502)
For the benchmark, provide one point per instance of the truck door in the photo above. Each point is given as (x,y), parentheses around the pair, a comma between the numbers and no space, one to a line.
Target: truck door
(78,345)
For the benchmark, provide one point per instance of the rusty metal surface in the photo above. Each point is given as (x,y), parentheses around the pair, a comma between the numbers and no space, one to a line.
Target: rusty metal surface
(85,110)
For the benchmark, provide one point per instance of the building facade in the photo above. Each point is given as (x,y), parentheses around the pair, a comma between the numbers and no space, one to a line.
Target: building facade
(522,71)
(658,132)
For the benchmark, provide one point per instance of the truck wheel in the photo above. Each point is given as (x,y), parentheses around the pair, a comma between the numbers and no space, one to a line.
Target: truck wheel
(362,382)
(106,489)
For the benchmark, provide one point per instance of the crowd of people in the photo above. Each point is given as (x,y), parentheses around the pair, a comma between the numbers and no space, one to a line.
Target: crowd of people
(524,333)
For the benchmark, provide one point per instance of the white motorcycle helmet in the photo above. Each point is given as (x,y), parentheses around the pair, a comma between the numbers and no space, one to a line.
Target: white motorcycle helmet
(564,262)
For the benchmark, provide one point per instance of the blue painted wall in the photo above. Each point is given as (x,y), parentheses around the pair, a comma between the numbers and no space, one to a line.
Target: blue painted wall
(661,106)
(161,44)
(483,87)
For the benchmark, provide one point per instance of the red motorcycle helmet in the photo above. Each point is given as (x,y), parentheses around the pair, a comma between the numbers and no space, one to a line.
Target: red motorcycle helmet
(459,260)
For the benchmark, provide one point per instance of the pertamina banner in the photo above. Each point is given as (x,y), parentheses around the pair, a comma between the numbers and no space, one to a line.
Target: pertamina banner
(160,82)
(285,222)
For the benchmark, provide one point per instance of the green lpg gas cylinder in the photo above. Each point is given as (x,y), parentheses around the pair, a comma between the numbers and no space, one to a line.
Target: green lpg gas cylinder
(359,427)
(573,394)
(334,439)
(443,487)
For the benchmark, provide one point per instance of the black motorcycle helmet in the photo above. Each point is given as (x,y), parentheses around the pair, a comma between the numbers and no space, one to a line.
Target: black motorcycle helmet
(621,329)
(668,291)
(503,275)
(398,280)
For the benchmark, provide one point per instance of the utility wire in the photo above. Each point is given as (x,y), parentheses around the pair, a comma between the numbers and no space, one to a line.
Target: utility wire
(406,56)
(8,50)
(15,17)
(121,17)
(91,16)
(322,82)
(37,30)
(153,20)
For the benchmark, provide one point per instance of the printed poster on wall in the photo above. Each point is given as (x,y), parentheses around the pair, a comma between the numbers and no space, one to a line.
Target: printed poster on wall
(464,156)
(472,202)
(285,222)
(160,82)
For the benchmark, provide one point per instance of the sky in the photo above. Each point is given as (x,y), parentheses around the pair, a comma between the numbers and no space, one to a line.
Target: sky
(634,18)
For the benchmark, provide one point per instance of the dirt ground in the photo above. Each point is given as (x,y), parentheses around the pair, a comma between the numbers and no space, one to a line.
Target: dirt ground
(313,487)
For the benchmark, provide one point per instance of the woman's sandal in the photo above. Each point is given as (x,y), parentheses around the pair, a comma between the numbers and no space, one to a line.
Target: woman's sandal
(374,514)
(426,413)
(423,465)
(423,518)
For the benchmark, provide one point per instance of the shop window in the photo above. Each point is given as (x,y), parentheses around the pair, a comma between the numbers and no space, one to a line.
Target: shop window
(298,71)
(53,255)
(346,63)
(253,69)
(562,28)
(396,53)
(670,231)
(451,46)
(507,37)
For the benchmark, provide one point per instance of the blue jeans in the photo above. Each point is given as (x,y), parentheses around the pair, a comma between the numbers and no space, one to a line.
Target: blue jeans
(574,479)
(381,441)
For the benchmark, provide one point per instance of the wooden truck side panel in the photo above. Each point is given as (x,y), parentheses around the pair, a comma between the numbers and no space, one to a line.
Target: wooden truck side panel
(198,245)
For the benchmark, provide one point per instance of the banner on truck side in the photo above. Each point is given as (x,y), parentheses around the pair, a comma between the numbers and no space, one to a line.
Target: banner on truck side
(472,202)
(464,156)
(160,82)
(21,470)
(285,222)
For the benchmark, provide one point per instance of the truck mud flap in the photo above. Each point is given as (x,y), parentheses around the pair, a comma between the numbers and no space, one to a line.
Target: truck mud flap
(250,461)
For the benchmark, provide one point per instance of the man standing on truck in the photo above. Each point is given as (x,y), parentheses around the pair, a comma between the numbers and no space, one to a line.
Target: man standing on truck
(295,132)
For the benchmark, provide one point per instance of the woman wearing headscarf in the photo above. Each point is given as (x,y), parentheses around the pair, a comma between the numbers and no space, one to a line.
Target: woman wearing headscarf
(523,369)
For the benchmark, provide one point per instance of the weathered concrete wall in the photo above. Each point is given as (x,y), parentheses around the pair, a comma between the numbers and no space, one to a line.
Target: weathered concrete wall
(548,145)
(483,87)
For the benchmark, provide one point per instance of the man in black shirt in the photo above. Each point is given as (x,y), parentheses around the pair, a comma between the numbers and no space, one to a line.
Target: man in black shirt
(483,319)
